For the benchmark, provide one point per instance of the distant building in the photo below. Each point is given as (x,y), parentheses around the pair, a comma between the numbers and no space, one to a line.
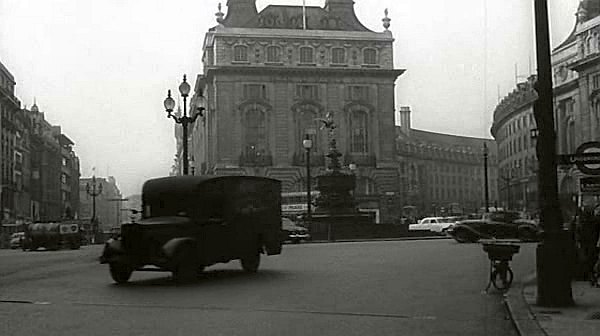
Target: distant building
(54,170)
(443,174)
(268,78)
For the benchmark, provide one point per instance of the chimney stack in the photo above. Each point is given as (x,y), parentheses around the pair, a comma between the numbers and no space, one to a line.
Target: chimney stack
(405,119)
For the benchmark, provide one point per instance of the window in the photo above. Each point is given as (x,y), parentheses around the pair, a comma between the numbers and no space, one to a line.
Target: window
(358,129)
(255,91)
(63,178)
(357,93)
(64,162)
(307,55)
(309,91)
(370,56)
(256,136)
(240,53)
(596,81)
(338,56)
(273,54)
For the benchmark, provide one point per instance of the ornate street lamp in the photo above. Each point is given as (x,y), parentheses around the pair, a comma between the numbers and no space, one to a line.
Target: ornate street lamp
(94,190)
(184,120)
(307,144)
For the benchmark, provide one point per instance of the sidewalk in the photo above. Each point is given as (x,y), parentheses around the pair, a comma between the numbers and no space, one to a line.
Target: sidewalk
(581,319)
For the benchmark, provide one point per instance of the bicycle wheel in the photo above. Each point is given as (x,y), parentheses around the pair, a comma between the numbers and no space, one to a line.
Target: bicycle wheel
(502,280)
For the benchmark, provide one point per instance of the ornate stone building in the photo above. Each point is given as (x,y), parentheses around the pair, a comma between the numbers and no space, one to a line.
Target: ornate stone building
(576,82)
(443,174)
(269,77)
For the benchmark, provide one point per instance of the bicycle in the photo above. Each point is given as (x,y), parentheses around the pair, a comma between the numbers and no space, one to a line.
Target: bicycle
(501,275)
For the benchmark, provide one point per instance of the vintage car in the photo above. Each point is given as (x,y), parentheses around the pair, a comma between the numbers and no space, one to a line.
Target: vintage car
(435,224)
(495,225)
(293,232)
(191,222)
(16,240)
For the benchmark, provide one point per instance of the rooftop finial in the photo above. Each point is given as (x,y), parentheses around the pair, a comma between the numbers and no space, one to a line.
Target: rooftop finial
(219,14)
(386,20)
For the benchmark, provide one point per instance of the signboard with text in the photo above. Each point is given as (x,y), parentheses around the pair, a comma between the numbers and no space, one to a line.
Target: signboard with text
(586,158)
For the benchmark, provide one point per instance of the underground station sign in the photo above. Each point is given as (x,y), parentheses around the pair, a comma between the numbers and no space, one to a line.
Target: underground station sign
(586,158)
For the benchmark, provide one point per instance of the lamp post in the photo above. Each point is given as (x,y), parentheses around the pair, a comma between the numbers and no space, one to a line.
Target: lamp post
(94,190)
(485,176)
(307,144)
(184,120)
(554,254)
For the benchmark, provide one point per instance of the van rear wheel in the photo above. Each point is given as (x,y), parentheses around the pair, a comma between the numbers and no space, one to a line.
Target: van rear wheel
(251,262)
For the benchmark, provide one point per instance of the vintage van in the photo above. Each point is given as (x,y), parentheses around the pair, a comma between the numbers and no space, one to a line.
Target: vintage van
(190,222)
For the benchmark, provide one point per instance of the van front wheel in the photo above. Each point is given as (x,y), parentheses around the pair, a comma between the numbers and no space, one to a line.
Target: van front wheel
(251,262)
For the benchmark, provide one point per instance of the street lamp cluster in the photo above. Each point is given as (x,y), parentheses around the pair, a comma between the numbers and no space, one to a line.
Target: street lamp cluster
(184,120)
(94,190)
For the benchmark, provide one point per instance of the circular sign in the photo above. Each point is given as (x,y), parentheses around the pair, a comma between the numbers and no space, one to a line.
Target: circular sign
(587,148)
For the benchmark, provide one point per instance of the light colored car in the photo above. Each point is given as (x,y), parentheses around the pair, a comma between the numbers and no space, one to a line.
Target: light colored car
(16,240)
(435,224)
(293,232)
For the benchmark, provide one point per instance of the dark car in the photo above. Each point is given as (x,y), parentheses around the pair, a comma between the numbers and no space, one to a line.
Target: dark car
(495,225)
(293,232)
(190,222)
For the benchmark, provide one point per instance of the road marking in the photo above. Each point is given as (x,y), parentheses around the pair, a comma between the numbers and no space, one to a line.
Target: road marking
(264,310)
(25,302)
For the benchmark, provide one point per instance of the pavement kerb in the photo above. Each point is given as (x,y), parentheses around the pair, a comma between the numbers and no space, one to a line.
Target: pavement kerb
(519,311)
(375,239)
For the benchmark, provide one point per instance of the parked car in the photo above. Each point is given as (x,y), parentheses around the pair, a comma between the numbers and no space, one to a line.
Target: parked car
(293,232)
(435,224)
(496,225)
(191,222)
(16,240)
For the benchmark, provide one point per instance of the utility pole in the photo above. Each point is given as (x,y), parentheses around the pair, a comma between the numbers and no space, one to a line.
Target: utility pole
(554,253)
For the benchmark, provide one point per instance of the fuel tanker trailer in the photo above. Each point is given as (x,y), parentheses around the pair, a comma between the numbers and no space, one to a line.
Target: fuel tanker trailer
(51,236)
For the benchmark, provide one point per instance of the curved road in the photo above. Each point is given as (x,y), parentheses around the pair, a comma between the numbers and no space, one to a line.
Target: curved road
(426,287)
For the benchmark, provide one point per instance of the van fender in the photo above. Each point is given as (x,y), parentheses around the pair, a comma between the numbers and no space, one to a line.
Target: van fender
(112,248)
(171,247)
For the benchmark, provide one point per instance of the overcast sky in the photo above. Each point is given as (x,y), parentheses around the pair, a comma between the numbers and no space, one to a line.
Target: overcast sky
(101,68)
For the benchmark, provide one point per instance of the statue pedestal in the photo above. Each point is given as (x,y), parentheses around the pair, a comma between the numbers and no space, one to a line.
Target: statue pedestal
(335,226)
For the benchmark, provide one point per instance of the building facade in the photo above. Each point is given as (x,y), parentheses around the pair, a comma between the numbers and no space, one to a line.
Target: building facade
(9,107)
(576,86)
(443,174)
(269,78)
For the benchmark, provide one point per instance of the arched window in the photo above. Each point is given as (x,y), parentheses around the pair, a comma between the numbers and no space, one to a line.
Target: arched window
(273,54)
(358,132)
(570,135)
(307,55)
(369,56)
(255,139)
(240,53)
